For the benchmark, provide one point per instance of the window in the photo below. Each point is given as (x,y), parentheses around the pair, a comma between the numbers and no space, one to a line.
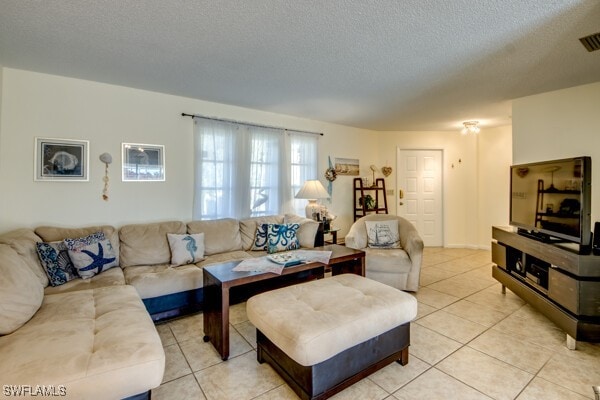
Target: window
(247,171)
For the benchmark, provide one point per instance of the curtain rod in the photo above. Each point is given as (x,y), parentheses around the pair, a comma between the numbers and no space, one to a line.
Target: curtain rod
(248,123)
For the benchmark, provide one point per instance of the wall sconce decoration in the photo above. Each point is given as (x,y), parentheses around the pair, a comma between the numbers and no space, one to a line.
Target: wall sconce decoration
(470,127)
(106,159)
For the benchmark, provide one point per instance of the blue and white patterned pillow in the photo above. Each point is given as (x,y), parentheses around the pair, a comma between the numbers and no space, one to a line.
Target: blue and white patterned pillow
(56,262)
(260,238)
(76,243)
(91,254)
(94,258)
(282,237)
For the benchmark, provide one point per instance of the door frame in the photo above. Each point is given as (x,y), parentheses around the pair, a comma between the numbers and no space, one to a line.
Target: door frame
(442,182)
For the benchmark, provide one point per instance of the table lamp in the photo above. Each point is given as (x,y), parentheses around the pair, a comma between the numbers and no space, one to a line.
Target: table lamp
(312,191)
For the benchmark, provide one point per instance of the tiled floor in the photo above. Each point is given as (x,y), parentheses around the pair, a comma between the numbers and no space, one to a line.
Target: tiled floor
(468,342)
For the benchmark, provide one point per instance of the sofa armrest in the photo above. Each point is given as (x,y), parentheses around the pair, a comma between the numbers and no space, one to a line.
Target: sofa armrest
(412,243)
(357,236)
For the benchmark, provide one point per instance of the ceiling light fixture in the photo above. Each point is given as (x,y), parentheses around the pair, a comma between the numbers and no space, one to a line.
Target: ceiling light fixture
(470,127)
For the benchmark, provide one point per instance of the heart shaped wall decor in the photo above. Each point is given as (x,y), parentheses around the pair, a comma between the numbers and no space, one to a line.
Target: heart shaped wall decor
(386,171)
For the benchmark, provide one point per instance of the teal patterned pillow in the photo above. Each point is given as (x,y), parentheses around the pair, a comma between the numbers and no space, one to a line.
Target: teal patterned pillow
(282,237)
(260,238)
(56,262)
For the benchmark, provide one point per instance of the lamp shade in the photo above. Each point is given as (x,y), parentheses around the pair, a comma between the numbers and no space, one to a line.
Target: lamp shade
(312,189)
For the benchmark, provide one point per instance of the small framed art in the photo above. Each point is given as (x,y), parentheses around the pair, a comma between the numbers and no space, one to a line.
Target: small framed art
(61,160)
(143,162)
(347,166)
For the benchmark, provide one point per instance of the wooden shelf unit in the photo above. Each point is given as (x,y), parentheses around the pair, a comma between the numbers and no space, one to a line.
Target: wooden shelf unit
(360,191)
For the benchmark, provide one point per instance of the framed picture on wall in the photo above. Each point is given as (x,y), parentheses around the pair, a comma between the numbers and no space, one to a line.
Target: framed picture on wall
(347,166)
(61,159)
(143,162)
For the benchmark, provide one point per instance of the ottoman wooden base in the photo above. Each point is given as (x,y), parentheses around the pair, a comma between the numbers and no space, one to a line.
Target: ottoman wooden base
(329,377)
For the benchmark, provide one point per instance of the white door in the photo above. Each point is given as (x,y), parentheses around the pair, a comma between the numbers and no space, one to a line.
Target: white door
(420,192)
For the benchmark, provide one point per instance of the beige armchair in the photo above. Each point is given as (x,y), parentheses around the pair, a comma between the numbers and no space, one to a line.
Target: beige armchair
(399,268)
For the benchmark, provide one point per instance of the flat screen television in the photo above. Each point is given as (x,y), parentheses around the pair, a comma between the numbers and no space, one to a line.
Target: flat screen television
(551,200)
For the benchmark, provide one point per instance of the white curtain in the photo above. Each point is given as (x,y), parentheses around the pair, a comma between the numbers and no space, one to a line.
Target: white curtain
(303,166)
(244,171)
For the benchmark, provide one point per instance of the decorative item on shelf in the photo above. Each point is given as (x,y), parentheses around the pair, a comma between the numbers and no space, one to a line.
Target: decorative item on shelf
(312,191)
(106,159)
(326,215)
(373,169)
(369,202)
(470,127)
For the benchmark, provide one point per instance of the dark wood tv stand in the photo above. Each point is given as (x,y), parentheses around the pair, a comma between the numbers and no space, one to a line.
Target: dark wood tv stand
(557,281)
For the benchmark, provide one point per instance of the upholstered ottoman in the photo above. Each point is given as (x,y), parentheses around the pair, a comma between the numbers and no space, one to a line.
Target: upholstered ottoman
(322,336)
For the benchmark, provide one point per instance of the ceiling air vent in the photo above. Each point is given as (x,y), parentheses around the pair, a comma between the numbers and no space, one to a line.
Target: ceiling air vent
(591,42)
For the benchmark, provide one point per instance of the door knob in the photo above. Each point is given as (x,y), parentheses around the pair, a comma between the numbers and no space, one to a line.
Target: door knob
(401,203)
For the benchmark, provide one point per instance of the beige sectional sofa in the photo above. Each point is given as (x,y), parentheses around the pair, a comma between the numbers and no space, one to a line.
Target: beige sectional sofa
(94,338)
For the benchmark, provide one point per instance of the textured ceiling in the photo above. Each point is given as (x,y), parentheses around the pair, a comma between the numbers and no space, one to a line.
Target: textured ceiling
(376,64)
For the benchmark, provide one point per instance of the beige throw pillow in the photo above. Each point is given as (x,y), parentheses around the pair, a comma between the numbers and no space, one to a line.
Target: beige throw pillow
(186,249)
(21,292)
(307,231)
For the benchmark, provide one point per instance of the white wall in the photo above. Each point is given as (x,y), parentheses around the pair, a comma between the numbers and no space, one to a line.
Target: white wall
(560,124)
(495,158)
(43,105)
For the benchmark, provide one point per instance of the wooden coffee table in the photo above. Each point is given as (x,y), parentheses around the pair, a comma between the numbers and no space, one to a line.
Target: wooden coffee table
(220,280)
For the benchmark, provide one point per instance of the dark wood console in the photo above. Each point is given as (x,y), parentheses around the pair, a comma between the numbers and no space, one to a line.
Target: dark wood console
(556,280)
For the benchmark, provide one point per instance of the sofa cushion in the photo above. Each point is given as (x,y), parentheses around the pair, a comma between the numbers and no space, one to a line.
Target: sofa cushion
(220,235)
(104,347)
(92,256)
(159,280)
(147,244)
(248,228)
(21,293)
(307,231)
(225,257)
(54,234)
(112,277)
(187,248)
(55,259)
(23,242)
